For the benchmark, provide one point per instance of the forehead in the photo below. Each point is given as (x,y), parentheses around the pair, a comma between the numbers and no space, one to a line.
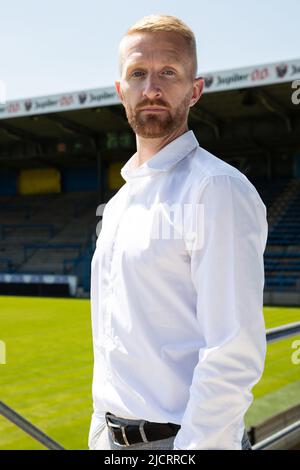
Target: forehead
(151,46)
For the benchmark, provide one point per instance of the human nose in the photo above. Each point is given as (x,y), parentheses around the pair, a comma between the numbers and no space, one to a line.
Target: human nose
(151,88)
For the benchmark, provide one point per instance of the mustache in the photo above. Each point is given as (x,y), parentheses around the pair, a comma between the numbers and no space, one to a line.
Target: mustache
(146,103)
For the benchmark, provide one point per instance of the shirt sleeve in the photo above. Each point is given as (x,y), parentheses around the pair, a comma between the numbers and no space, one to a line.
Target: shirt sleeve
(97,425)
(228,274)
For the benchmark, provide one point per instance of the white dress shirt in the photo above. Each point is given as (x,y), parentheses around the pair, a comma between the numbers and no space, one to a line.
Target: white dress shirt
(177,297)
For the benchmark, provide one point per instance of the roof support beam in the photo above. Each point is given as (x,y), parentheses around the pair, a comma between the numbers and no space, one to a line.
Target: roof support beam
(71,127)
(18,134)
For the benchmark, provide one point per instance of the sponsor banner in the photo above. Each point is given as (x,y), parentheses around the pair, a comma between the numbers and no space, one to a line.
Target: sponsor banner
(216,81)
(252,76)
(41,279)
(56,103)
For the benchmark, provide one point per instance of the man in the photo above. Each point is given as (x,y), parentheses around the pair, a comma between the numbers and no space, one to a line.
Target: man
(177,274)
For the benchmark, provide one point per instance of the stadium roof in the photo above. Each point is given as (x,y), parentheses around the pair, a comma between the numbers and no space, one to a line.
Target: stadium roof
(234,79)
(247,110)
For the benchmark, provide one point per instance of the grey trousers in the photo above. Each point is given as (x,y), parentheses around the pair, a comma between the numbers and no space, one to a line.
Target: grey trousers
(105,442)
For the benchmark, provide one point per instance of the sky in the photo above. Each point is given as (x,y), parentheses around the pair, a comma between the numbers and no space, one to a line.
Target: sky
(56,46)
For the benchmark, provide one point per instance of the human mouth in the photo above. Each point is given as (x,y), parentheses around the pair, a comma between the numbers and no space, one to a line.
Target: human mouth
(153,110)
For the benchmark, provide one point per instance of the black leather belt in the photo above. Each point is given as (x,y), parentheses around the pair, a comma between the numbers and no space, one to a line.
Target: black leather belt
(139,431)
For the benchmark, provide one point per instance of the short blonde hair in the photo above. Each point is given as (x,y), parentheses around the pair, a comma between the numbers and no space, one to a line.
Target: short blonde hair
(163,23)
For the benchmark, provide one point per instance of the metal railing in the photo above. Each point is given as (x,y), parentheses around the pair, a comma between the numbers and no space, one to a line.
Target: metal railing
(288,434)
(28,427)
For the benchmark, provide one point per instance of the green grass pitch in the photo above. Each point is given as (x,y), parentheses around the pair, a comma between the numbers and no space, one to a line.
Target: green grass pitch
(48,372)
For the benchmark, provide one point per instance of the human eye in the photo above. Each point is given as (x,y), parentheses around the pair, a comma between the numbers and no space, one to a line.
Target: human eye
(169,72)
(137,73)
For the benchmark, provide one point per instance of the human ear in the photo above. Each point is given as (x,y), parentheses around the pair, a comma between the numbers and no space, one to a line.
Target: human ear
(119,90)
(198,86)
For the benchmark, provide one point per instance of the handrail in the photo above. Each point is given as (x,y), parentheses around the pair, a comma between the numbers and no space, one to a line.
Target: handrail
(268,441)
(28,427)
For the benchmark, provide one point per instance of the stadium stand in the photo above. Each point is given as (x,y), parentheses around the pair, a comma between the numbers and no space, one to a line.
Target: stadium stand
(60,157)
(32,245)
(55,234)
(282,257)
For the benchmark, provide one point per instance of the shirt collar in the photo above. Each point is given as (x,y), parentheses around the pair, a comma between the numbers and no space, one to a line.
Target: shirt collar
(163,160)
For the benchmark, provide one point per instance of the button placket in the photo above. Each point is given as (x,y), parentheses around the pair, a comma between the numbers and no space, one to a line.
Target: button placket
(111,264)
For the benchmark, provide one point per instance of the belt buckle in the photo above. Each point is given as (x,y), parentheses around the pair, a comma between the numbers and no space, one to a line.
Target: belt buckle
(141,429)
(122,427)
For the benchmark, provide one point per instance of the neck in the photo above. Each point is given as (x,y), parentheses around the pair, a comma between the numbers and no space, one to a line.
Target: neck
(146,148)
